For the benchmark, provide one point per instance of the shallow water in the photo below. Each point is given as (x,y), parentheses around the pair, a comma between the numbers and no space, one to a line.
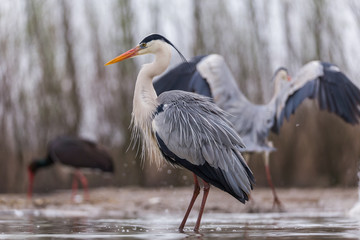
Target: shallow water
(33,224)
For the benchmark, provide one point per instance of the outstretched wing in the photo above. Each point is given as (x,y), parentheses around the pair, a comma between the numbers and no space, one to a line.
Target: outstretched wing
(251,121)
(324,82)
(224,89)
(80,153)
(194,133)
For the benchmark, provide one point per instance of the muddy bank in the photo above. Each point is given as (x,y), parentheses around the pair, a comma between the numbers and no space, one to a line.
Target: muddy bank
(132,202)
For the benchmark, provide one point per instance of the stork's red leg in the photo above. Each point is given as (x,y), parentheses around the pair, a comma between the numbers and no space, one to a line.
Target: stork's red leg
(74,187)
(31,182)
(84,183)
(194,196)
(277,202)
(206,193)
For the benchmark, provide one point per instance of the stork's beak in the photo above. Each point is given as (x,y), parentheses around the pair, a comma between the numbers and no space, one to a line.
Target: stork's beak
(289,78)
(131,53)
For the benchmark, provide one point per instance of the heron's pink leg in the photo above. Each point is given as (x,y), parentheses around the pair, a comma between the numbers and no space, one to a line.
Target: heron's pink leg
(277,202)
(74,187)
(194,196)
(206,193)
(84,183)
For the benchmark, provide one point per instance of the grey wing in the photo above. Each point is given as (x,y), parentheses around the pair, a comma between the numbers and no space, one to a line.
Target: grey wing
(251,121)
(194,133)
(224,89)
(178,78)
(253,124)
(324,82)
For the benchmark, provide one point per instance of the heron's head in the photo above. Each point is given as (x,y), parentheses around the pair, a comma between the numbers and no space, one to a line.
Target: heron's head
(150,44)
(281,74)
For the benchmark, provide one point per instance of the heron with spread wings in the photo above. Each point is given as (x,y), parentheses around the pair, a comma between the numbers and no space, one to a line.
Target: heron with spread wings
(210,76)
(186,129)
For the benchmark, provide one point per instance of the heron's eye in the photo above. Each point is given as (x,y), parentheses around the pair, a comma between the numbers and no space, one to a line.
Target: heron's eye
(143,45)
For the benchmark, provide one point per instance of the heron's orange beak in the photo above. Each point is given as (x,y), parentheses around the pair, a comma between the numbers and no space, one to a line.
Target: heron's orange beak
(289,78)
(131,53)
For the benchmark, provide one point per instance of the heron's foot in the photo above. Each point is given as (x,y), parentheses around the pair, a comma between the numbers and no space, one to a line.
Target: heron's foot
(277,205)
(196,230)
(253,206)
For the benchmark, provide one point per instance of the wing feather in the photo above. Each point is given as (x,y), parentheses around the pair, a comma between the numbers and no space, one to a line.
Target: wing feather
(251,121)
(214,79)
(334,92)
(202,140)
(177,78)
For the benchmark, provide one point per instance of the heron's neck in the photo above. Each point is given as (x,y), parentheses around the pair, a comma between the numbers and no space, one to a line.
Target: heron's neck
(145,98)
(277,88)
(145,103)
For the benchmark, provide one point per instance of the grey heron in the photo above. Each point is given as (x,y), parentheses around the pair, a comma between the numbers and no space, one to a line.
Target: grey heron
(78,153)
(186,129)
(210,76)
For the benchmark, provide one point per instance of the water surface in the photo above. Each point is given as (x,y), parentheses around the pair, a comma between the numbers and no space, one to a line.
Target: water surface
(57,224)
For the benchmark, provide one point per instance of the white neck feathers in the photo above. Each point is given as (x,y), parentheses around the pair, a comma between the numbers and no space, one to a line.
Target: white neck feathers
(145,99)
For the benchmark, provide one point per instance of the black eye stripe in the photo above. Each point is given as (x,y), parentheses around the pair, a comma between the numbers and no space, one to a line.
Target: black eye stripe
(159,37)
(154,37)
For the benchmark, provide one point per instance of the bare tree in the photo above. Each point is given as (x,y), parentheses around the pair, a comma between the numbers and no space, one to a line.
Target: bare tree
(198,45)
(70,73)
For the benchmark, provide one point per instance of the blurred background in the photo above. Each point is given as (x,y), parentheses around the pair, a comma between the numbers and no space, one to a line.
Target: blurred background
(53,80)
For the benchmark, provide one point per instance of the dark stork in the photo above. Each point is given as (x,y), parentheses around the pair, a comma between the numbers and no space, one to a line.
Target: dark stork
(74,152)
